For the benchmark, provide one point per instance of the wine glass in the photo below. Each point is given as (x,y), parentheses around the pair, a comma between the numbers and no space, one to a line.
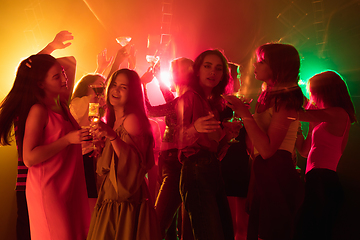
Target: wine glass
(98,89)
(235,123)
(152,59)
(123,41)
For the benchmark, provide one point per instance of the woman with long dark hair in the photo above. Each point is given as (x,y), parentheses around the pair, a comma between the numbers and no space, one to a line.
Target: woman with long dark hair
(48,140)
(123,209)
(201,184)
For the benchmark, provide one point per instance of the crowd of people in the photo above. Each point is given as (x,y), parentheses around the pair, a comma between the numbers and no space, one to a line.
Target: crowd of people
(223,171)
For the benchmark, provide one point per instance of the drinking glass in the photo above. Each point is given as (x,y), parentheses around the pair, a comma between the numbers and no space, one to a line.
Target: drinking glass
(152,59)
(94,117)
(123,41)
(98,89)
(234,123)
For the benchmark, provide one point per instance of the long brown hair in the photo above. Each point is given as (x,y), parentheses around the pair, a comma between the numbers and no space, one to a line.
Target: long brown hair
(224,86)
(135,101)
(330,90)
(24,93)
(284,62)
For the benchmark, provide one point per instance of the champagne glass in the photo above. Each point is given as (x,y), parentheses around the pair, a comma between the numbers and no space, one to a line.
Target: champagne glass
(98,89)
(235,123)
(152,59)
(123,41)
(94,117)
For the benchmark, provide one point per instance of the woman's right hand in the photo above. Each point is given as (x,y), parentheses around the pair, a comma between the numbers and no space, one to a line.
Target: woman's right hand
(100,129)
(103,62)
(147,77)
(77,136)
(206,124)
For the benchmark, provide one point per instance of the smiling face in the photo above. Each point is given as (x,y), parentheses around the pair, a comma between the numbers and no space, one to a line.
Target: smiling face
(262,69)
(55,81)
(210,72)
(118,91)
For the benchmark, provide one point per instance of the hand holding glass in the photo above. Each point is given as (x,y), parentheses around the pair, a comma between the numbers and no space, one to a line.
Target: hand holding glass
(235,123)
(123,41)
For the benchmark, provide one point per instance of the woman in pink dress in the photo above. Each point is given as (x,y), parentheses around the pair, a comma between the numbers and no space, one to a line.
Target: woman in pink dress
(48,140)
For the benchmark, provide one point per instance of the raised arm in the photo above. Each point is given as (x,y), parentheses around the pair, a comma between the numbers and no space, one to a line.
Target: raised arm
(69,65)
(167,94)
(121,55)
(58,42)
(103,62)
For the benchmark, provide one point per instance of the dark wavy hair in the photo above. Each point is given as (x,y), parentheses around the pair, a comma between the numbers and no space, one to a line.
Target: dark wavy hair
(284,62)
(82,86)
(224,86)
(135,101)
(330,89)
(24,93)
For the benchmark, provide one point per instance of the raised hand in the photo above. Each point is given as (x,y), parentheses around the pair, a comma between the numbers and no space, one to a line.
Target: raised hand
(103,61)
(147,77)
(60,39)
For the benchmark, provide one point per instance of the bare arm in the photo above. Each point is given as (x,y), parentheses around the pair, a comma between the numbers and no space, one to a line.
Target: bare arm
(303,144)
(103,62)
(34,150)
(267,143)
(331,115)
(58,42)
(121,55)
(69,65)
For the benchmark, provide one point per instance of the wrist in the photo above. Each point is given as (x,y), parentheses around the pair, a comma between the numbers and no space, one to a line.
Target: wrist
(114,138)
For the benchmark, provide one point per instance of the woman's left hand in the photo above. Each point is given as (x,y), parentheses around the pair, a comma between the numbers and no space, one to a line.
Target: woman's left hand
(100,129)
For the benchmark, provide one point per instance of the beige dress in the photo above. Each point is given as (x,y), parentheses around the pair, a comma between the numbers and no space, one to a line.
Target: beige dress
(123,210)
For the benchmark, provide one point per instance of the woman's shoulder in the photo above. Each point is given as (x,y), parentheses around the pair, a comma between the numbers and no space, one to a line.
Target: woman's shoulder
(190,95)
(132,124)
(38,108)
(38,113)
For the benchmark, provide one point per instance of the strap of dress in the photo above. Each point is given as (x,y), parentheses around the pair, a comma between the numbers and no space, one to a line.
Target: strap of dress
(122,124)
(347,125)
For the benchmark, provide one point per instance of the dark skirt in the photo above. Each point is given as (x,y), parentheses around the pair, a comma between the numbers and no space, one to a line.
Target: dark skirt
(323,199)
(235,168)
(277,195)
(90,175)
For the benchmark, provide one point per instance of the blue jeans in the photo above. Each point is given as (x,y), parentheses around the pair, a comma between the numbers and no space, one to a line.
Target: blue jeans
(203,194)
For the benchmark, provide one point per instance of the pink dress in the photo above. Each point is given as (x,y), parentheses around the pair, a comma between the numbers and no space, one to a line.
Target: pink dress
(55,189)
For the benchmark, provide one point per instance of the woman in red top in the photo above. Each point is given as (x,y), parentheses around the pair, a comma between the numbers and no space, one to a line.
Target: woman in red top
(201,184)
(330,113)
